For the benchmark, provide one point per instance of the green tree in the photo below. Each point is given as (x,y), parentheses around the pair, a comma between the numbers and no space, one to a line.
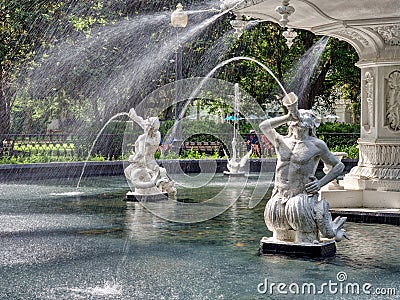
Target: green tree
(31,28)
(36,33)
(22,31)
(265,43)
(343,75)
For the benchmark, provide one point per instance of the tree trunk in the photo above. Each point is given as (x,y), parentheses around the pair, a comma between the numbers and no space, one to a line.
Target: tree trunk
(317,86)
(308,39)
(4,109)
(96,113)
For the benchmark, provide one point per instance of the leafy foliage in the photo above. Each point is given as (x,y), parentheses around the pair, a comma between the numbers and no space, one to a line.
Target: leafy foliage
(339,128)
(41,36)
(351,150)
(264,43)
(340,137)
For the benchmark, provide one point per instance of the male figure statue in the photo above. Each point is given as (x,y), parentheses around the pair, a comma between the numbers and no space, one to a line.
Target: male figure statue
(294,212)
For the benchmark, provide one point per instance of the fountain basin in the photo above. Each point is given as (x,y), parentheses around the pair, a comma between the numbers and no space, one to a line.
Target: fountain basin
(95,245)
(114,168)
(132,196)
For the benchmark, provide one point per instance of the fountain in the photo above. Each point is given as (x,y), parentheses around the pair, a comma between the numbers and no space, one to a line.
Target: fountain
(97,246)
(60,245)
(189,211)
(299,76)
(372,28)
(235,165)
(149,180)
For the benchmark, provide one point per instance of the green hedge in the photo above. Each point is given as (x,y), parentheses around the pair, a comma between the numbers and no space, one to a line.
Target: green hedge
(340,137)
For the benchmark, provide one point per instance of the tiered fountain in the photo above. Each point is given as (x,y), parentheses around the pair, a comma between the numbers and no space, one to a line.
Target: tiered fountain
(235,164)
(93,245)
(373,29)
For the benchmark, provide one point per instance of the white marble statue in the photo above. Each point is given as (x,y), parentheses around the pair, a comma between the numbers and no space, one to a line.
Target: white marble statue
(333,185)
(235,165)
(145,175)
(294,213)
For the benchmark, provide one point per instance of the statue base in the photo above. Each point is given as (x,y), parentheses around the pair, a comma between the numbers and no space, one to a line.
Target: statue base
(269,245)
(227,173)
(133,196)
(352,198)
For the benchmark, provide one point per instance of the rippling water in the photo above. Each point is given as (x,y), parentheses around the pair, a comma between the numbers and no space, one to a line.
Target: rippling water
(56,244)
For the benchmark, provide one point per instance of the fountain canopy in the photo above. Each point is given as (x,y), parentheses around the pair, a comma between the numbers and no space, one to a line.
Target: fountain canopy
(373,29)
(369,25)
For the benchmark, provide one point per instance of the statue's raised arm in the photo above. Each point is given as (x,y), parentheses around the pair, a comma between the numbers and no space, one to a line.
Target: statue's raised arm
(138,119)
(268,126)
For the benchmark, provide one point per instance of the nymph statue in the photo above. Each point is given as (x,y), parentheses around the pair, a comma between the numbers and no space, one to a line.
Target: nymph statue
(144,174)
(234,164)
(294,213)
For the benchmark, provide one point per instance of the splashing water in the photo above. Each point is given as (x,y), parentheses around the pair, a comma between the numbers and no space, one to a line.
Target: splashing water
(151,60)
(225,62)
(95,141)
(216,52)
(110,288)
(69,194)
(116,63)
(200,11)
(300,74)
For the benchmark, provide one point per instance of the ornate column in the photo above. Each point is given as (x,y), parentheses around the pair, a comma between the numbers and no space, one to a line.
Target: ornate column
(379,162)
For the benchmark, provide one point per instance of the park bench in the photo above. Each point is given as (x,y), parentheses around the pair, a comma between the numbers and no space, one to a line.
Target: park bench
(203,147)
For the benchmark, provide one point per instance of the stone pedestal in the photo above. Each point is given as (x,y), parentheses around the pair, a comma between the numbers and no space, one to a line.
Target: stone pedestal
(353,198)
(377,174)
(270,245)
(369,215)
(375,181)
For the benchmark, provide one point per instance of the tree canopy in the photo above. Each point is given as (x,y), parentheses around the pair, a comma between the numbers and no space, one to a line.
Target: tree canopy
(83,61)
(264,42)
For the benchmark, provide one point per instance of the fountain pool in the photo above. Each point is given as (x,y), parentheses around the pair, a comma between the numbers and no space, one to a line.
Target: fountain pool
(59,244)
